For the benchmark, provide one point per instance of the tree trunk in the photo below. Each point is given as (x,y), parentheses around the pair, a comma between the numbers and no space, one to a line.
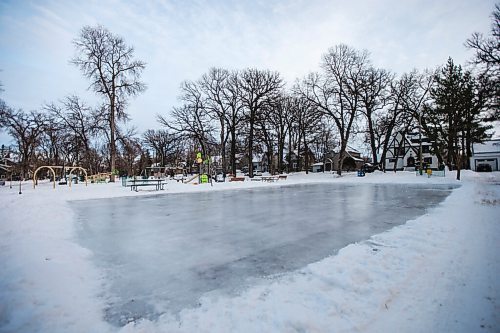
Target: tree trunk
(281,148)
(112,142)
(451,139)
(372,142)
(306,156)
(233,151)
(250,144)
(223,145)
(458,163)
(341,161)
(289,162)
(343,147)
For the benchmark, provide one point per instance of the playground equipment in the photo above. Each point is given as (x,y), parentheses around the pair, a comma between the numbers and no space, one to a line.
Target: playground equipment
(190,179)
(99,177)
(64,168)
(204,169)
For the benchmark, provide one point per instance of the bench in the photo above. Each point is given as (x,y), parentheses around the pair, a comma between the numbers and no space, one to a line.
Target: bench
(270,179)
(157,183)
(282,177)
(237,179)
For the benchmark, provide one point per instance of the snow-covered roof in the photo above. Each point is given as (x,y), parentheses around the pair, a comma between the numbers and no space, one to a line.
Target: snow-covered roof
(354,158)
(318,164)
(491,146)
(352,150)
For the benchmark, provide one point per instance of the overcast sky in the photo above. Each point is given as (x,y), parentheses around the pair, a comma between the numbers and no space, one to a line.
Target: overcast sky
(181,40)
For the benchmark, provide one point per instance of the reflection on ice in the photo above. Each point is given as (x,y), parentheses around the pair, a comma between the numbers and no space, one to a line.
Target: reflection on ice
(161,254)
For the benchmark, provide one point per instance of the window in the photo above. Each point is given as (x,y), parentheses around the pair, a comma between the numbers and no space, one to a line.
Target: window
(392,160)
(426,149)
(428,160)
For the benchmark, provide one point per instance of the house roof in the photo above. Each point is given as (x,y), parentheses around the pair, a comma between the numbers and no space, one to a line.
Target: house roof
(318,164)
(491,146)
(352,150)
(354,158)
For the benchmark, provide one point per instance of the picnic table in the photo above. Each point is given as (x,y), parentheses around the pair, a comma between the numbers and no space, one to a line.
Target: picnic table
(157,183)
(269,178)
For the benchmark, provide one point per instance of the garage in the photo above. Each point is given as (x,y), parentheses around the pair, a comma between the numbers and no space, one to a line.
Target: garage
(488,153)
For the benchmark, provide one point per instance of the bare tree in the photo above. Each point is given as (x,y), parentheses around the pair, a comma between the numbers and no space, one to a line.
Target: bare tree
(53,145)
(129,151)
(487,58)
(258,87)
(265,133)
(108,62)
(80,123)
(374,97)
(191,119)
(26,128)
(307,117)
(488,48)
(214,86)
(234,116)
(278,117)
(161,141)
(337,91)
(408,95)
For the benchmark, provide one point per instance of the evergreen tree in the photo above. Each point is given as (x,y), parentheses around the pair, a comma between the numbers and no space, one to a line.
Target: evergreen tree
(454,119)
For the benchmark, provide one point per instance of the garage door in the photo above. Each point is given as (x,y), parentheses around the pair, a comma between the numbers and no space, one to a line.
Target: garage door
(493,162)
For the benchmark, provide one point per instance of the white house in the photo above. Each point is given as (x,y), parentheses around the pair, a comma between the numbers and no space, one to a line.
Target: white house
(404,152)
(486,153)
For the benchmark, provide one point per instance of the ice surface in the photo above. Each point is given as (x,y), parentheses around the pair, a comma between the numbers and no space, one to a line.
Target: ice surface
(162,253)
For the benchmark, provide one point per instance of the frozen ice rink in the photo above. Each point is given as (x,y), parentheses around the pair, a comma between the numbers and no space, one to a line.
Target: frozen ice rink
(162,253)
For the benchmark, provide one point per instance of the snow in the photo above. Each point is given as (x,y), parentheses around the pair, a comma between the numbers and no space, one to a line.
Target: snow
(435,273)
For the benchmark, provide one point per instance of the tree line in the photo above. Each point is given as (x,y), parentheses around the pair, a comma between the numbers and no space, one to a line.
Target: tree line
(237,114)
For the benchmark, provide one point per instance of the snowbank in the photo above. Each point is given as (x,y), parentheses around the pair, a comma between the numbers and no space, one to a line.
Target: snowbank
(436,273)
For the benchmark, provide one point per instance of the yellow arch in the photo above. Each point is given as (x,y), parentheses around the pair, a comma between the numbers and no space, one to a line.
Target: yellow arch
(35,180)
(52,167)
(79,168)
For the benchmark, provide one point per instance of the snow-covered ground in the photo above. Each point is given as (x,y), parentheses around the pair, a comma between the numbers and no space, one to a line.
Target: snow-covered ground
(438,273)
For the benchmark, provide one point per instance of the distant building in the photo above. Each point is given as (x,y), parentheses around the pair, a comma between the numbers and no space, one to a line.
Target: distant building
(404,153)
(352,160)
(298,160)
(260,163)
(486,153)
(317,167)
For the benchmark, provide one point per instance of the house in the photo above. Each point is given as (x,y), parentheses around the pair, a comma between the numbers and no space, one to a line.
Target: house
(404,152)
(352,160)
(487,152)
(260,163)
(298,160)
